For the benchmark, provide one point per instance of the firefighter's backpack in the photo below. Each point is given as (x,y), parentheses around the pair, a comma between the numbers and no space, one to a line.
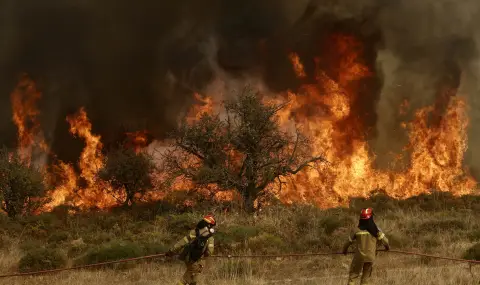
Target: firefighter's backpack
(197,247)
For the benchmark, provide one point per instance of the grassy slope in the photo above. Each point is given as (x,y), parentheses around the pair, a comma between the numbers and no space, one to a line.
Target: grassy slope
(435,224)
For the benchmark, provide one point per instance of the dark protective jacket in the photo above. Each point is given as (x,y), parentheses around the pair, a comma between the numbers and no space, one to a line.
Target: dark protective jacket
(187,240)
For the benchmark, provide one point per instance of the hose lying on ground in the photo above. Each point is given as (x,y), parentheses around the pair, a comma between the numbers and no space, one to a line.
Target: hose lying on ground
(471,262)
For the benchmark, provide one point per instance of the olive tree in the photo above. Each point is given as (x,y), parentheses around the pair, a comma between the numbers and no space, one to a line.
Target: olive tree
(243,150)
(129,172)
(22,185)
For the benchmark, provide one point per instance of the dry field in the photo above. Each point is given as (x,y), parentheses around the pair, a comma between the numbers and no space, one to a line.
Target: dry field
(390,269)
(441,226)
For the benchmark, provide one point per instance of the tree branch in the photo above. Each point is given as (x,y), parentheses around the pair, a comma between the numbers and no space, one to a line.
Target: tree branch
(307,163)
(190,150)
(295,147)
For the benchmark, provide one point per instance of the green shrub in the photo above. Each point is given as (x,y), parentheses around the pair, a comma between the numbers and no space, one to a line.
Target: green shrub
(242,233)
(107,222)
(111,252)
(77,250)
(58,236)
(473,253)
(154,248)
(474,236)
(42,259)
(304,223)
(223,242)
(31,245)
(22,188)
(330,224)
(443,225)
(266,243)
(99,237)
(182,223)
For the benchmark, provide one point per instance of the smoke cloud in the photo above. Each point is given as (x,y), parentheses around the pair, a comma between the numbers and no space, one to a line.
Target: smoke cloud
(135,66)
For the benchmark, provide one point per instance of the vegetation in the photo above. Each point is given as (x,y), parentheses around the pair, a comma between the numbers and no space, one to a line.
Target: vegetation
(111,252)
(246,151)
(128,172)
(473,253)
(22,188)
(42,259)
(417,224)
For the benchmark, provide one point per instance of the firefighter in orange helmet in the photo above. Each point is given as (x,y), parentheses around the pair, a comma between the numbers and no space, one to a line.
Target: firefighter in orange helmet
(366,237)
(193,249)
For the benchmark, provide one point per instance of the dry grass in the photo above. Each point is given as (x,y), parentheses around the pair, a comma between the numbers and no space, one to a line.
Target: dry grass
(432,227)
(319,271)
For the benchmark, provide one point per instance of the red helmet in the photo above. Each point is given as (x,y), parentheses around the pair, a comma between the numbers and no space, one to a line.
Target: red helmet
(210,219)
(366,214)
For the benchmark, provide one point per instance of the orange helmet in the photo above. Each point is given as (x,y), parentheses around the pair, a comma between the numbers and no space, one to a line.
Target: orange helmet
(210,219)
(366,214)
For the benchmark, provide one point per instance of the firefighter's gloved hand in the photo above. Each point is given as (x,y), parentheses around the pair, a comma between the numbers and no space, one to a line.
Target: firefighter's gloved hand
(387,247)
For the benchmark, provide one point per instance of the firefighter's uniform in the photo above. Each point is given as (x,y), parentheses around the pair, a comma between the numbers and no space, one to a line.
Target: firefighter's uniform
(194,268)
(365,252)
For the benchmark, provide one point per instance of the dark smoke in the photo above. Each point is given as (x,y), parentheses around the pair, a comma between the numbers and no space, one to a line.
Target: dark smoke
(134,66)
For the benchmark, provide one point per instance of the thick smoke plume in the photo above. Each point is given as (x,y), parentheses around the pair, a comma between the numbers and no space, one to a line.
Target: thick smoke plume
(135,66)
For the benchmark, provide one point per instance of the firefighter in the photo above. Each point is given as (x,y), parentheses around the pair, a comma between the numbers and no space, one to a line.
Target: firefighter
(193,249)
(366,237)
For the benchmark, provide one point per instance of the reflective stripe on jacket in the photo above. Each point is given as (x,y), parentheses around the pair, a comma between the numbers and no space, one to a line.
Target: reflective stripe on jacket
(189,238)
(366,244)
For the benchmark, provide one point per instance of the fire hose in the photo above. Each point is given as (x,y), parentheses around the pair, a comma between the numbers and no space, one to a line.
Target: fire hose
(471,262)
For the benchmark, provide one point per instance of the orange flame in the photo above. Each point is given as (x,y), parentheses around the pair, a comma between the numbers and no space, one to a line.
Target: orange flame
(436,152)
(91,159)
(326,113)
(297,65)
(25,116)
(198,110)
(66,189)
(137,140)
(96,193)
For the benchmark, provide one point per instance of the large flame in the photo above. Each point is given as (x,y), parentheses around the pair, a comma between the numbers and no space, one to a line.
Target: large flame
(325,113)
(24,100)
(95,193)
(436,151)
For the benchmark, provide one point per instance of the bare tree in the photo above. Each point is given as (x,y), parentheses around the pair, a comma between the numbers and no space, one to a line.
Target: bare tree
(245,151)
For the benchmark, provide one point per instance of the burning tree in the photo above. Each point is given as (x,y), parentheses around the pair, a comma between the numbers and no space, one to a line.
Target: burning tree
(129,171)
(22,188)
(245,150)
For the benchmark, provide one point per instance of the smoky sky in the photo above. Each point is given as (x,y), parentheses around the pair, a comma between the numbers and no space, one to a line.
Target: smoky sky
(134,65)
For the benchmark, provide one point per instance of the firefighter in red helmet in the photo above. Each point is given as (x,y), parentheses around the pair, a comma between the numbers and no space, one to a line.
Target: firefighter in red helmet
(366,237)
(193,249)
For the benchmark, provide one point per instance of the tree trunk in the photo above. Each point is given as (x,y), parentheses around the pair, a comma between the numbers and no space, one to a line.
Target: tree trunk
(130,197)
(11,211)
(249,198)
